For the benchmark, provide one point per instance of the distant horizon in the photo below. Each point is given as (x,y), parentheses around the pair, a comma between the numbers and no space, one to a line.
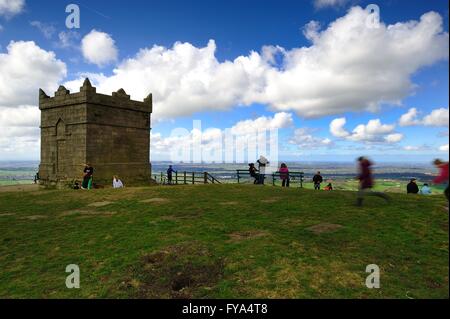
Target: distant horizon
(394,163)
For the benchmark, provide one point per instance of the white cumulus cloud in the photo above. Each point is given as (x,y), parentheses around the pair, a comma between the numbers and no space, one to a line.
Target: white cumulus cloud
(372,132)
(20,134)
(319,4)
(211,138)
(25,68)
(10,8)
(347,67)
(444,148)
(437,117)
(99,48)
(304,138)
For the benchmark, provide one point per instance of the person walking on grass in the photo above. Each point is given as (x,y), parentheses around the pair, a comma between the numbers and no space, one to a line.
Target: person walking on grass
(317,180)
(284,175)
(366,181)
(88,174)
(442,178)
(412,187)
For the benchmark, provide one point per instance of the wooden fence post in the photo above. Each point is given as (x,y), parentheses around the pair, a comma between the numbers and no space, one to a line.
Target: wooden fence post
(205,177)
(273,179)
(185,181)
(193,177)
(237,171)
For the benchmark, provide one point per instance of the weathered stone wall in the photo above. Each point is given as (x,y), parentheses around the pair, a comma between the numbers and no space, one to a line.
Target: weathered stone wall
(118,143)
(112,133)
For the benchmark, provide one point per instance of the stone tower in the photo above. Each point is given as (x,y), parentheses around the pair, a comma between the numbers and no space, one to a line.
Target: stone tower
(112,133)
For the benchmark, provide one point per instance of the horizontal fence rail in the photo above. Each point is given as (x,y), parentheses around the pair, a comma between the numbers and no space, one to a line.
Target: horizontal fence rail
(183,178)
(294,177)
(187,178)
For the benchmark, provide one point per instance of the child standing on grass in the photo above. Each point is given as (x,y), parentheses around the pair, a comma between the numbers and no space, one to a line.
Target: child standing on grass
(284,175)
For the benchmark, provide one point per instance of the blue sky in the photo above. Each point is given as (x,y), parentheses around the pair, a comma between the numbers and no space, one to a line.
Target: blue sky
(237,28)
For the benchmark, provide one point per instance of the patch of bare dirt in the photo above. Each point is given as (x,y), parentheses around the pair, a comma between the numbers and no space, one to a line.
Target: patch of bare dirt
(7,214)
(292,222)
(324,228)
(34,217)
(155,200)
(19,188)
(100,204)
(178,272)
(229,203)
(250,234)
(433,284)
(270,200)
(87,213)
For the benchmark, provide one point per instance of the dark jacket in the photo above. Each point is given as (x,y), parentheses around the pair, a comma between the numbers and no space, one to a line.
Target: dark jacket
(252,170)
(412,188)
(317,179)
(365,174)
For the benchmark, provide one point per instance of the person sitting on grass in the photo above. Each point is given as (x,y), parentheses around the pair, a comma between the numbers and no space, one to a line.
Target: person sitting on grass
(329,187)
(284,175)
(88,173)
(412,187)
(253,173)
(443,175)
(317,180)
(117,183)
(425,190)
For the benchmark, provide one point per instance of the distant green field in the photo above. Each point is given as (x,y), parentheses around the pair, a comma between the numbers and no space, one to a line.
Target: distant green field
(390,186)
(17,176)
(11,182)
(221,241)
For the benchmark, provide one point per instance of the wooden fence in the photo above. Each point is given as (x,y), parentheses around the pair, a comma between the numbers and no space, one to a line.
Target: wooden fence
(187,178)
(294,177)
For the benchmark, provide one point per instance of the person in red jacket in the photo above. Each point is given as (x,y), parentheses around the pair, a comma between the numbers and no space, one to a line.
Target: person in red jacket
(366,181)
(443,174)
(284,175)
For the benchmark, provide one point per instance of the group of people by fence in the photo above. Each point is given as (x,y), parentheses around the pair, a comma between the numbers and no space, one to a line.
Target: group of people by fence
(365,178)
(259,174)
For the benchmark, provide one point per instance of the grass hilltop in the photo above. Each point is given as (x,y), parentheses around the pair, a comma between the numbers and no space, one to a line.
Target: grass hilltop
(221,241)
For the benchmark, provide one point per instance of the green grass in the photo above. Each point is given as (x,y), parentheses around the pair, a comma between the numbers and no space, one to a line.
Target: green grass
(229,241)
